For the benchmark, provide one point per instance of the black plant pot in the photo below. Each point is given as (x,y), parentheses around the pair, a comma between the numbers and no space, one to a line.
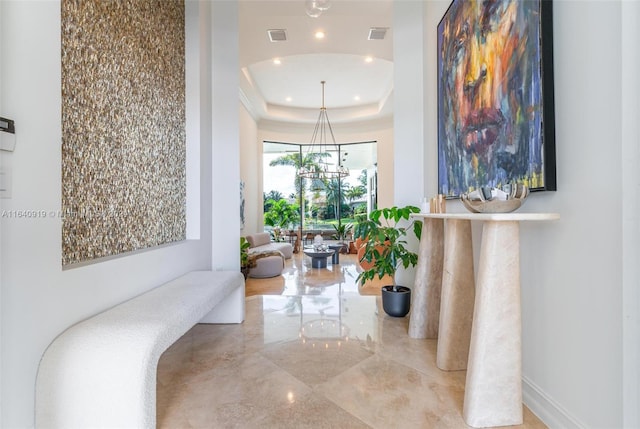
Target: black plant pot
(245,271)
(396,303)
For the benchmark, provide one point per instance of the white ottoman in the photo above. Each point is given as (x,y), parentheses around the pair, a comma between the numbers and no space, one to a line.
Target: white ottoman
(267,265)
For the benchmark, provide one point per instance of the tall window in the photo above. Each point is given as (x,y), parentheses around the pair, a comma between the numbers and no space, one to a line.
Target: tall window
(320,205)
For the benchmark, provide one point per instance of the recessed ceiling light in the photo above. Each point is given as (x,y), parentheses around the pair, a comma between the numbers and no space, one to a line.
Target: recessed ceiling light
(319,34)
(357,98)
(277,61)
(368,59)
(289,99)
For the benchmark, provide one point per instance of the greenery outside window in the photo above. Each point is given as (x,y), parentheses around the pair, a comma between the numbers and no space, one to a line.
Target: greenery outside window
(322,205)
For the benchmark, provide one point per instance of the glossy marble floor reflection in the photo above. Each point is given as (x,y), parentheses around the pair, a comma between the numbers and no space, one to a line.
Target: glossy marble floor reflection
(316,353)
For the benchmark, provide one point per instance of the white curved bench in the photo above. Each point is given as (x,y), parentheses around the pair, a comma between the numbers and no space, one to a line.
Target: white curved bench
(101,372)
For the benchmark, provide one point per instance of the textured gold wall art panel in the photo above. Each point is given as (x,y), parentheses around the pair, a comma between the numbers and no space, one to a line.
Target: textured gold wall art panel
(123,126)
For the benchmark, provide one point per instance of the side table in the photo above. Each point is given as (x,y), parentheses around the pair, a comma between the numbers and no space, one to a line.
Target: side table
(318,257)
(337,248)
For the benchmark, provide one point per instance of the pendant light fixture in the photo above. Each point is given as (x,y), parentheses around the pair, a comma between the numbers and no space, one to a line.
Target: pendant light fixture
(319,158)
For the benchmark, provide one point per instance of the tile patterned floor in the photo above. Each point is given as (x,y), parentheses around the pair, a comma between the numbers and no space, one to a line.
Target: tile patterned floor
(317,353)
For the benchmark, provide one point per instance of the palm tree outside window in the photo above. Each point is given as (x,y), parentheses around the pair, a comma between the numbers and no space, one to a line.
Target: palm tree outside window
(322,203)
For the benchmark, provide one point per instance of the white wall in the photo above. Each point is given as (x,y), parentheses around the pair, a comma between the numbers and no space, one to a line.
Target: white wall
(2,86)
(572,296)
(192,105)
(39,300)
(2,156)
(250,172)
(630,38)
(225,208)
(572,270)
(409,98)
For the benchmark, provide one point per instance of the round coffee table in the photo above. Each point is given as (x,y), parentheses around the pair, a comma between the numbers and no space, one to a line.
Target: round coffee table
(318,257)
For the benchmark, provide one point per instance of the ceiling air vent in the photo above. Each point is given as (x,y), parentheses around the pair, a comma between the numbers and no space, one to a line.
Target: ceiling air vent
(277,35)
(377,33)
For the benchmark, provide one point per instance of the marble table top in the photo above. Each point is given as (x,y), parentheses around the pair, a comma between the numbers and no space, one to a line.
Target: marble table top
(506,217)
(318,253)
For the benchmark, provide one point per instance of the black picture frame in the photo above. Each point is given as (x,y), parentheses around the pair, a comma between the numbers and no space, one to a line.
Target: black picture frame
(496,119)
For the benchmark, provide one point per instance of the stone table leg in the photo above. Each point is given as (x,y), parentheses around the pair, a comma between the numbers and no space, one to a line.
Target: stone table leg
(458,294)
(425,305)
(493,391)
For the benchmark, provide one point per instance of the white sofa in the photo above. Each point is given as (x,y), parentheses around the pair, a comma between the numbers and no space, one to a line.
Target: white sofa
(261,242)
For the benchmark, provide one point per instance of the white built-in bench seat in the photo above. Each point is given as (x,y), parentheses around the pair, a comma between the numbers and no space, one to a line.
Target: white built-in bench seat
(101,372)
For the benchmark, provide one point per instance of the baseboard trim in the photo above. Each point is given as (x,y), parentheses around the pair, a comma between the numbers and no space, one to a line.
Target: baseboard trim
(546,408)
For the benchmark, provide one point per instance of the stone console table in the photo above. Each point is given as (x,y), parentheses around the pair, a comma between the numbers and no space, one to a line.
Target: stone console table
(492,339)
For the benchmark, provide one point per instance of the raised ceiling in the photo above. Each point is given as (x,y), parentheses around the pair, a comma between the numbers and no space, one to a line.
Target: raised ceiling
(358,72)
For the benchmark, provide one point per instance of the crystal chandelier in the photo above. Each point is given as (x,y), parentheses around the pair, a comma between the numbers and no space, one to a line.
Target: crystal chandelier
(314,8)
(318,161)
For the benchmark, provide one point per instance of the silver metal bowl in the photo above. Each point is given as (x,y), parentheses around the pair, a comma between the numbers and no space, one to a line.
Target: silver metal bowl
(516,198)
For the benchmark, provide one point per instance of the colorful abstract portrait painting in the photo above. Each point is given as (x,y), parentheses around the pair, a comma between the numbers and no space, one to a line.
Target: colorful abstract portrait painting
(495,96)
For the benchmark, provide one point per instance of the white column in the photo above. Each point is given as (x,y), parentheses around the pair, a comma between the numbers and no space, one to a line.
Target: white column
(408,95)
(225,155)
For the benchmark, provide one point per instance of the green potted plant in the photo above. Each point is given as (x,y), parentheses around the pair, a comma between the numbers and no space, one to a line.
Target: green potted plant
(244,257)
(280,215)
(342,231)
(385,249)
